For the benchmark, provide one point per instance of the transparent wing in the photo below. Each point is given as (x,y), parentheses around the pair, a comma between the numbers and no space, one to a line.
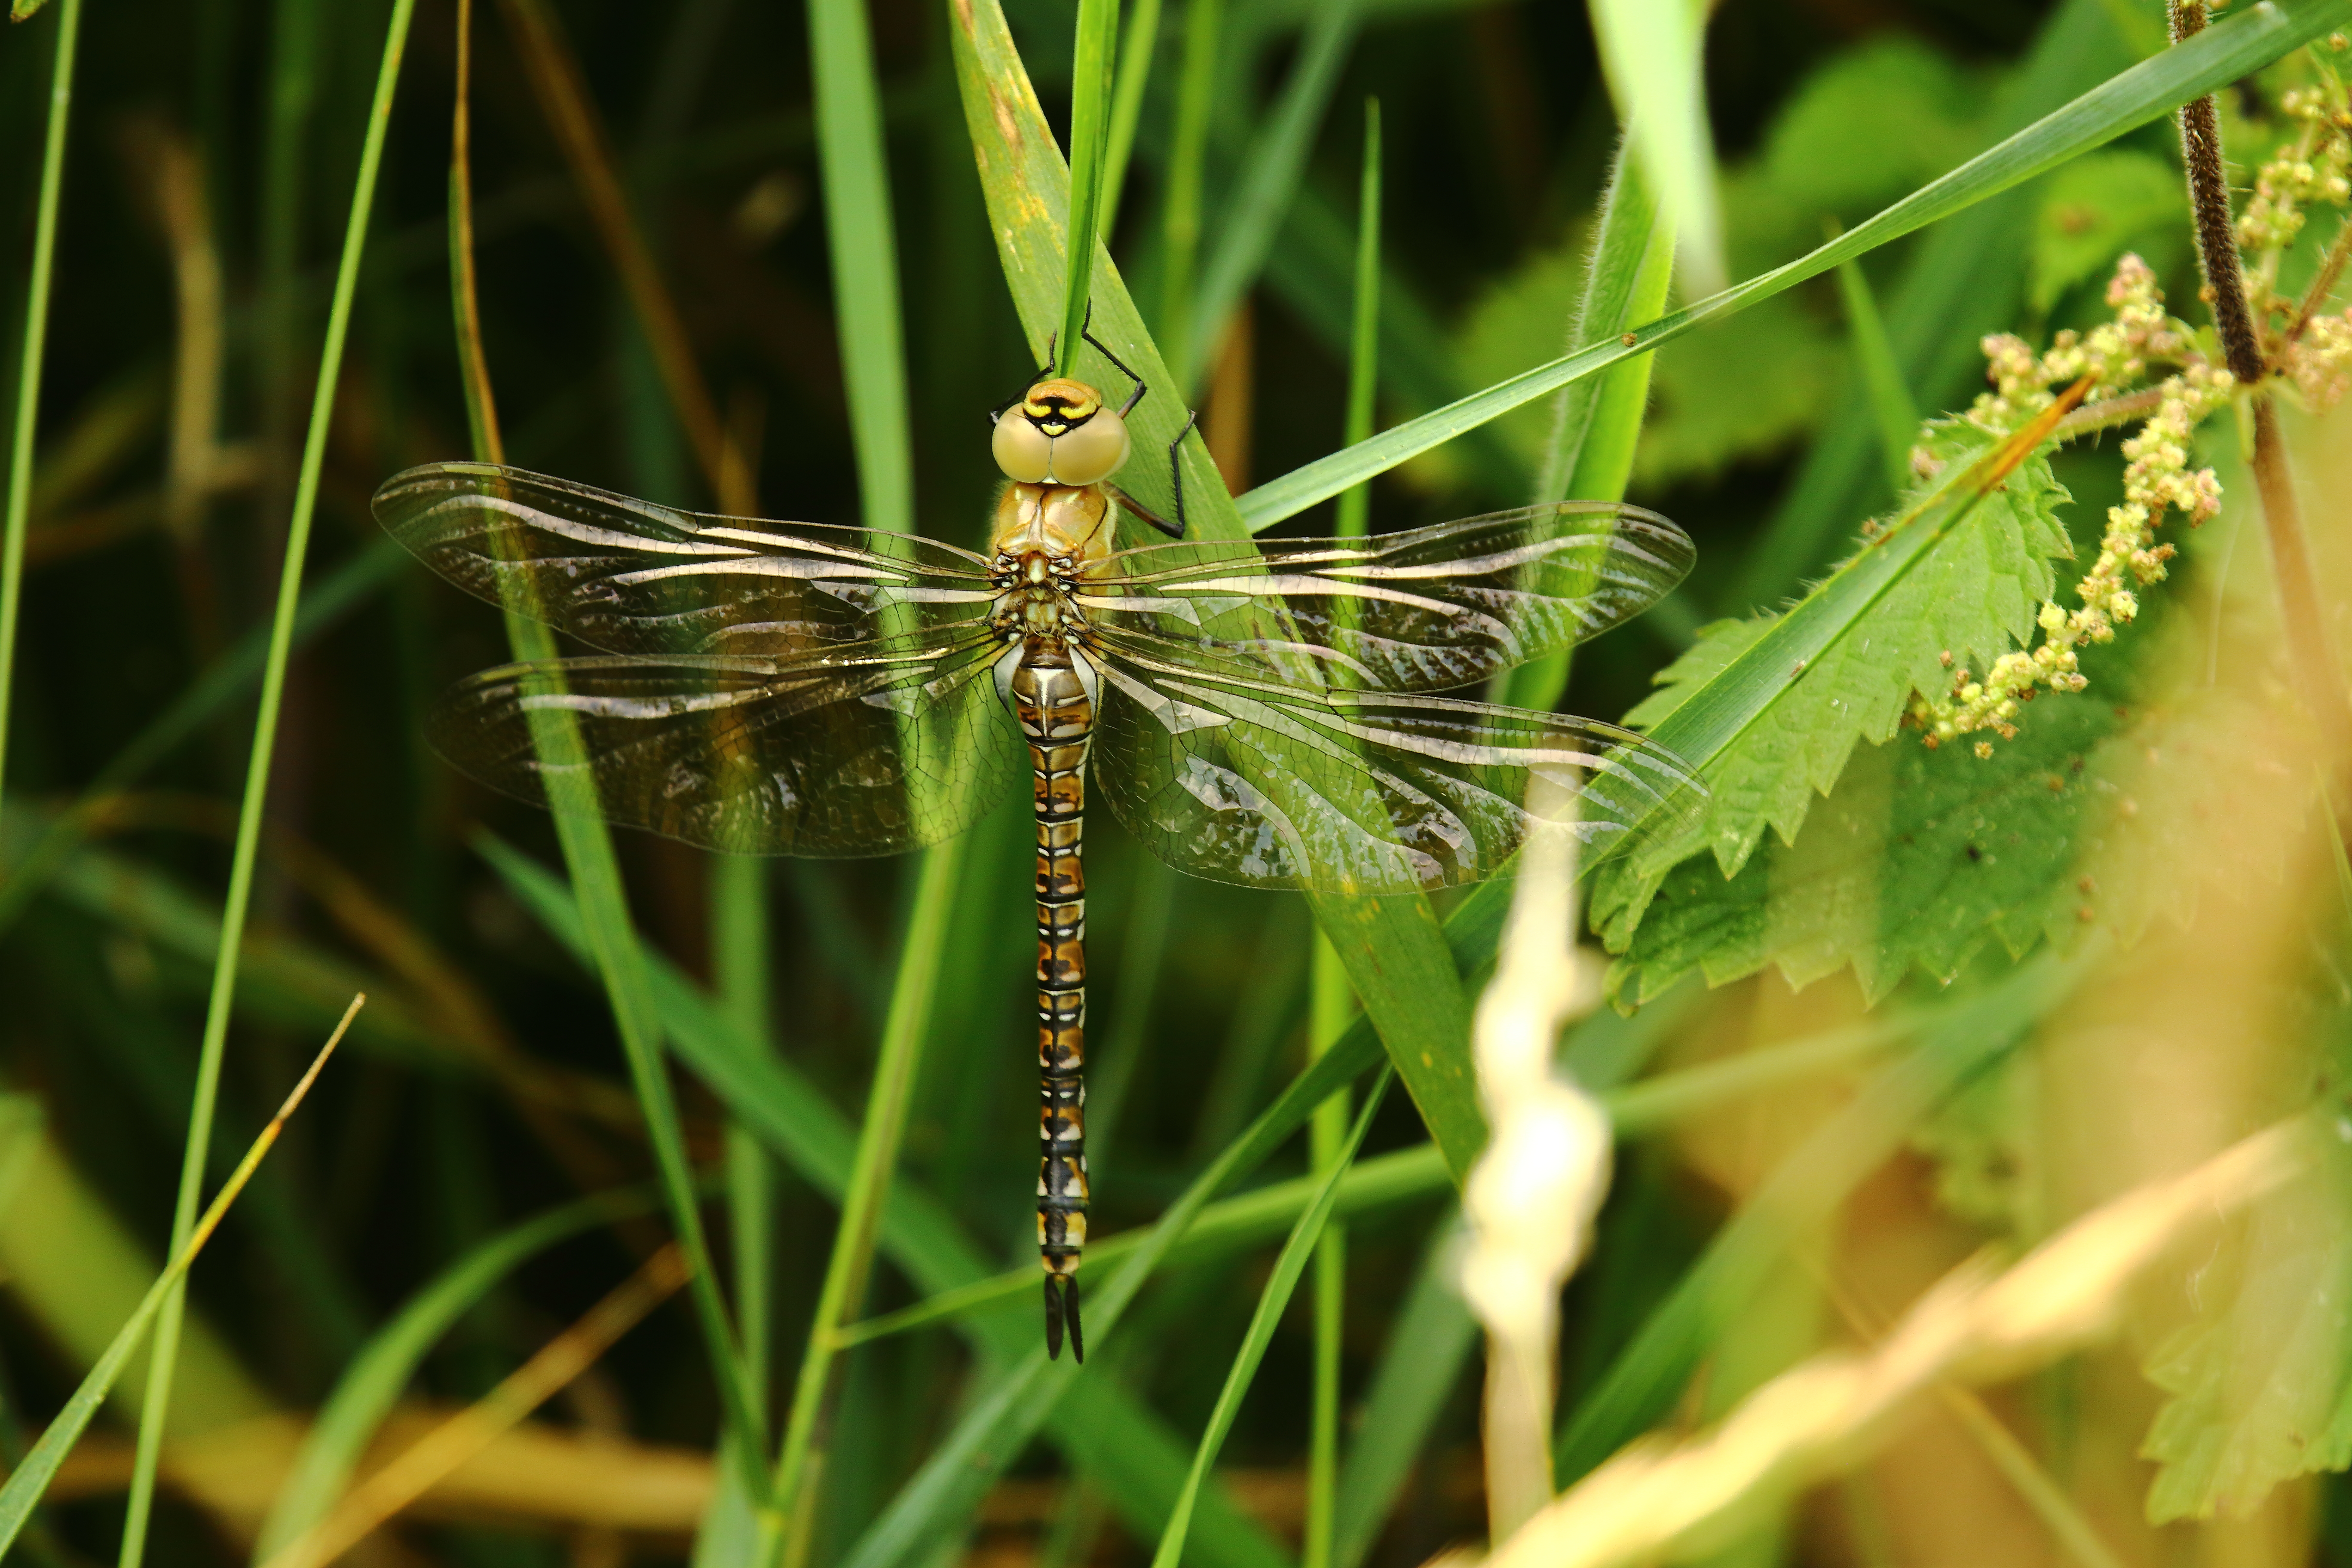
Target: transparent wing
(1361,792)
(631,577)
(888,751)
(1417,611)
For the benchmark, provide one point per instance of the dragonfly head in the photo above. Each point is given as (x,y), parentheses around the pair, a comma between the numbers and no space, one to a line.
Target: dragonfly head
(1060,434)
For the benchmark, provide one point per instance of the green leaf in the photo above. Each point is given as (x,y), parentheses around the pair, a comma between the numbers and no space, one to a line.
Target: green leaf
(1652,50)
(1396,957)
(376,1378)
(1896,416)
(2096,209)
(1271,1301)
(916,1232)
(1090,118)
(2260,1378)
(1268,177)
(1965,281)
(1915,861)
(2243,42)
(1769,711)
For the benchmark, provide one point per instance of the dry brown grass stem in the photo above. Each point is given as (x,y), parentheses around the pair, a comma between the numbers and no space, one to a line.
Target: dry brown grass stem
(470,1431)
(1660,1497)
(564,96)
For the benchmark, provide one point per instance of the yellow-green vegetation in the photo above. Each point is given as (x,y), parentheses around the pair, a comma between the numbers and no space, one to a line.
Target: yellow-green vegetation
(1924,1141)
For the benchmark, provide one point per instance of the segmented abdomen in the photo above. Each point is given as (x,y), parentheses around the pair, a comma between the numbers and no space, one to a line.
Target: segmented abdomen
(1058,719)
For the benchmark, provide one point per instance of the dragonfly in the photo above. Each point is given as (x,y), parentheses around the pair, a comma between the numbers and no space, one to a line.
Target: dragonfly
(1273,717)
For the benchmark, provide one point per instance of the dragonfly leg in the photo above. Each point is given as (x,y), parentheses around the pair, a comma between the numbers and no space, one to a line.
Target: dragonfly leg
(1176,468)
(1137,395)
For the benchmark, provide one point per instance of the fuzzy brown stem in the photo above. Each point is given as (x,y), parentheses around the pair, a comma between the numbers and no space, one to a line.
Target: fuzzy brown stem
(2217,236)
(2108,412)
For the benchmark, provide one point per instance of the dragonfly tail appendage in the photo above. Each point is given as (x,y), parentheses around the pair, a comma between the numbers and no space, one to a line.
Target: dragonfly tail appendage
(1057,717)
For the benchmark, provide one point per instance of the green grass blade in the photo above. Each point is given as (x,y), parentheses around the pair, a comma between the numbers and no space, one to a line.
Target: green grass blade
(850,1266)
(998,1425)
(323,606)
(1892,414)
(865,251)
(1126,108)
(1288,1266)
(1597,422)
(1967,281)
(373,1383)
(2237,47)
(740,943)
(1268,178)
(218,1009)
(1179,209)
(918,1234)
(1090,116)
(36,342)
(1396,956)
(1652,52)
(31,1478)
(1419,1368)
(1364,328)
(1333,999)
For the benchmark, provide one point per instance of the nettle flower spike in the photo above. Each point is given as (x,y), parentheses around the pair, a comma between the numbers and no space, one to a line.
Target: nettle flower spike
(2157,480)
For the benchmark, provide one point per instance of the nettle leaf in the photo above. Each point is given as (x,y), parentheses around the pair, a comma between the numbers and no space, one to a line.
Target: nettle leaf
(2260,1378)
(1912,609)
(1915,860)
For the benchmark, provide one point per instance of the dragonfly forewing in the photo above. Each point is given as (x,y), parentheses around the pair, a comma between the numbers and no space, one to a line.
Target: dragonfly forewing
(630,577)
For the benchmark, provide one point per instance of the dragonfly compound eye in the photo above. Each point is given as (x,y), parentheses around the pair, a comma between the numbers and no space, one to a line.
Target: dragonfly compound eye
(1091,452)
(1024,452)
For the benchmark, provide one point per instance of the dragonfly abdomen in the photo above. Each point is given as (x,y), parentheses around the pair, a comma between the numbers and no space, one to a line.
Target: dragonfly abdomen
(1057,717)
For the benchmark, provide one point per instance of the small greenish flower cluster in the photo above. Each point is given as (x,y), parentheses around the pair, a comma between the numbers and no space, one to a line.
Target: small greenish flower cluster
(2316,165)
(2157,479)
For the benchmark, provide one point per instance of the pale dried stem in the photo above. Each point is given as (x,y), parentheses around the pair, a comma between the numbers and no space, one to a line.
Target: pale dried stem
(473,1430)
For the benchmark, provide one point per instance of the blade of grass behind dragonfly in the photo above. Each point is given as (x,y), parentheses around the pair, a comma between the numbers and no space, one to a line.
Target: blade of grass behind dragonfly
(1334,999)
(998,1425)
(380,1373)
(1127,108)
(323,606)
(1597,422)
(1651,51)
(1180,208)
(619,961)
(218,1009)
(865,280)
(740,940)
(1892,414)
(1288,1266)
(37,339)
(2245,42)
(30,1480)
(1394,950)
(1090,115)
(1110,1430)
(1268,177)
(1966,282)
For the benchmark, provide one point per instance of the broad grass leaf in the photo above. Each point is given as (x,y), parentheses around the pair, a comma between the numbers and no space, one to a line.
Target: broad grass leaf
(2260,1381)
(1958,598)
